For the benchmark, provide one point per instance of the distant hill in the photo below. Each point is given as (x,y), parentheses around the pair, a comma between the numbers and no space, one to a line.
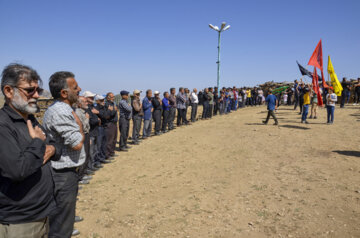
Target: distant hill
(45,94)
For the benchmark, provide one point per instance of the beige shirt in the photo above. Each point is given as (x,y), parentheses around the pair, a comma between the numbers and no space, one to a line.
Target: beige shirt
(84,120)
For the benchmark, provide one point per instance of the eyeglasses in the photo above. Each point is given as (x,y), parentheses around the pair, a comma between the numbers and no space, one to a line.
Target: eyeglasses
(32,90)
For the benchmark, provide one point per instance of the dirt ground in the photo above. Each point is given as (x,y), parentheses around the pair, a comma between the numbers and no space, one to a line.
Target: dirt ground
(233,177)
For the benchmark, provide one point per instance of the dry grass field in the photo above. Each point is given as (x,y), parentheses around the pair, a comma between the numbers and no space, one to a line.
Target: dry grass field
(232,176)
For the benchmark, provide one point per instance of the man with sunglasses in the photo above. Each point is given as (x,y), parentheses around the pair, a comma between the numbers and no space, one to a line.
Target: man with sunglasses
(65,127)
(26,185)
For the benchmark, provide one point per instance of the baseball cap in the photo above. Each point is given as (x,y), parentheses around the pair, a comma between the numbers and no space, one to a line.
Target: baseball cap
(123,92)
(88,94)
(99,97)
(136,91)
(156,92)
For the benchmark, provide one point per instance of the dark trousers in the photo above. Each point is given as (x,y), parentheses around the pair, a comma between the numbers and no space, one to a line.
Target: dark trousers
(172,117)
(305,112)
(194,107)
(136,127)
(86,164)
(216,108)
(296,101)
(222,107)
(94,155)
(205,110)
(181,117)
(65,190)
(157,120)
(165,121)
(357,96)
(330,113)
(345,97)
(111,137)
(301,103)
(101,144)
(124,131)
(210,111)
(272,114)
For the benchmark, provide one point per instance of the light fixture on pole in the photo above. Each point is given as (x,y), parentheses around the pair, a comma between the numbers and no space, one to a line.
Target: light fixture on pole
(223,28)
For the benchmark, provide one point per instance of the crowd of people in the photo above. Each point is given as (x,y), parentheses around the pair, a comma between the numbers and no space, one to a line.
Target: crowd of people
(42,165)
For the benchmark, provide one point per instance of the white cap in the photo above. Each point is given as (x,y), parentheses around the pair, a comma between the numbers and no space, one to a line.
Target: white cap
(156,92)
(88,94)
(99,97)
(136,91)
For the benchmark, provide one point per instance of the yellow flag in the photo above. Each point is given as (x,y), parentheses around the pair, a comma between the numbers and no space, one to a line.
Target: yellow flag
(334,80)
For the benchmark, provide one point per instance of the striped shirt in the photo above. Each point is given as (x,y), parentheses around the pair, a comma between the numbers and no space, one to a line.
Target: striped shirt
(181,101)
(61,126)
(125,109)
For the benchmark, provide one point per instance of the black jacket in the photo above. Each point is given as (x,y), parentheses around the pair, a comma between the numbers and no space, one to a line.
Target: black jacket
(26,185)
(156,104)
(112,114)
(103,114)
(93,121)
(206,98)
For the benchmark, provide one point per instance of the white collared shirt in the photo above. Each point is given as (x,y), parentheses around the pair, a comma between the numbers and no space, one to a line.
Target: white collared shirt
(194,98)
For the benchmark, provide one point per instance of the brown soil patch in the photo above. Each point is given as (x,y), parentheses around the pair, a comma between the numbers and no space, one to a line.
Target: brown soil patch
(233,177)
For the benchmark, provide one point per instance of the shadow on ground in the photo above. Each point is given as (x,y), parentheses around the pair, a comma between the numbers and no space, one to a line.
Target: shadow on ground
(348,152)
(295,127)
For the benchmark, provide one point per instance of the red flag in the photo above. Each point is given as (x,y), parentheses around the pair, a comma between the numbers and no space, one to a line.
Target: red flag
(316,58)
(315,83)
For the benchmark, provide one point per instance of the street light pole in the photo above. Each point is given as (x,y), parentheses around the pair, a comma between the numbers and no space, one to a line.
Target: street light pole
(218,63)
(222,29)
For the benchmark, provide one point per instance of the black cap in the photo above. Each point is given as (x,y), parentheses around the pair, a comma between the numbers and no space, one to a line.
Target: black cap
(123,92)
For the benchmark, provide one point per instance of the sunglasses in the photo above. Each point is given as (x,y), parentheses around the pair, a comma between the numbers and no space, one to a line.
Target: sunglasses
(32,90)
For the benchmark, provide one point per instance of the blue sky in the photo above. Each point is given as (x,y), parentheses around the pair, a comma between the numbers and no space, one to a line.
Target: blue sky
(115,45)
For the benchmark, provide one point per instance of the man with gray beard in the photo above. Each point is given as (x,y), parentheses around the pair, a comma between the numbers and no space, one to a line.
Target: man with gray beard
(26,185)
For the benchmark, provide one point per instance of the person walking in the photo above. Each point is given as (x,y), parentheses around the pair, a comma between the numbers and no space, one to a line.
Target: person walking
(301,90)
(271,101)
(137,114)
(314,105)
(194,104)
(296,94)
(331,99)
(306,100)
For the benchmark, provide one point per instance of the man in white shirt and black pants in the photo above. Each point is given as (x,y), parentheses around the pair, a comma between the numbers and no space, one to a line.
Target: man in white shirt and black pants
(194,104)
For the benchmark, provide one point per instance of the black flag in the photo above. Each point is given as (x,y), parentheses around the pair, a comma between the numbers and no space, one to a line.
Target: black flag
(304,71)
